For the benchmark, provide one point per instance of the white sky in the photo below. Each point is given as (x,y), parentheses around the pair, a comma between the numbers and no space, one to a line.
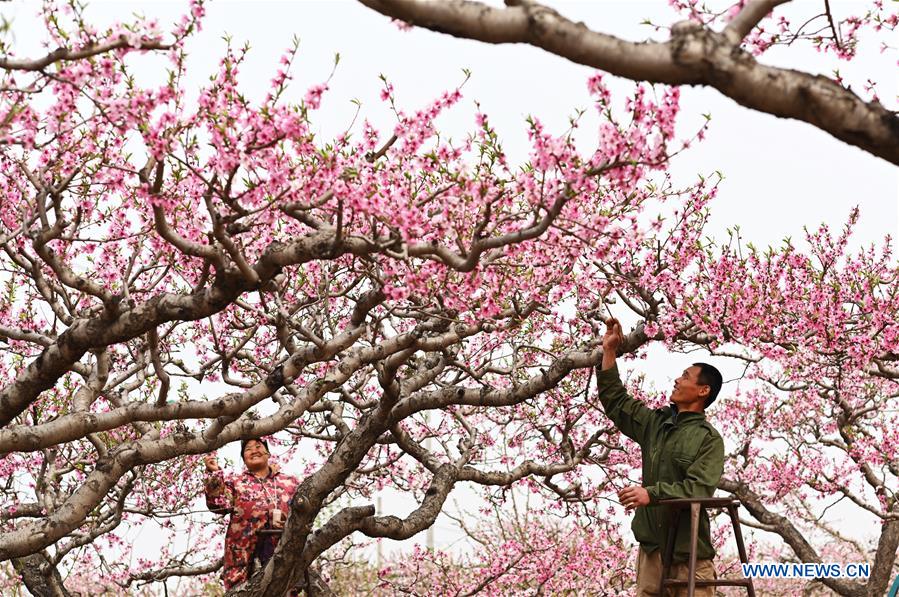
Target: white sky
(780,175)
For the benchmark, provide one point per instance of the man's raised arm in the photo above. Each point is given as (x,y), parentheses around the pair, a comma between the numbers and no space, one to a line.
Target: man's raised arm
(630,416)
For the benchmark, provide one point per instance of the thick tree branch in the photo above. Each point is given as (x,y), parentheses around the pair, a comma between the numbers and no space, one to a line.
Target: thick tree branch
(67,54)
(40,577)
(101,331)
(419,519)
(547,379)
(176,570)
(694,56)
(884,558)
(315,488)
(747,19)
(32,536)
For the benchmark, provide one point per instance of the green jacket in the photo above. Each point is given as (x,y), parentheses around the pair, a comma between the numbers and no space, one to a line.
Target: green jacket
(683,456)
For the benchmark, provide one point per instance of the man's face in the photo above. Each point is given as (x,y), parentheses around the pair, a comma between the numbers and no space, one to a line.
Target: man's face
(687,389)
(255,456)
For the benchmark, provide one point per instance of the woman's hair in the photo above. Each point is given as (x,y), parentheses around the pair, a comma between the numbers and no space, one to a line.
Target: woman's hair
(244,442)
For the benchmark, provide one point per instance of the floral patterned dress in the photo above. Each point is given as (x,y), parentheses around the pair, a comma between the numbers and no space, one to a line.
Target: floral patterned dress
(251,501)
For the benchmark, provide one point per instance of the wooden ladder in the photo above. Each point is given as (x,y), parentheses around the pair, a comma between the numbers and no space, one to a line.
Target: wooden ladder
(696,505)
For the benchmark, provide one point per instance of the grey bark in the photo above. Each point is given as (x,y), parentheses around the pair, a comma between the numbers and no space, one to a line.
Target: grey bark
(694,55)
(39,576)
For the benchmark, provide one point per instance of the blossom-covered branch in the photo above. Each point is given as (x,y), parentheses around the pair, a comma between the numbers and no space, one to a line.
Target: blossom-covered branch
(695,55)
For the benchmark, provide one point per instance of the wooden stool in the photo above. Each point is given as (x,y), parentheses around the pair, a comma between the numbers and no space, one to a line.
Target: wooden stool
(696,505)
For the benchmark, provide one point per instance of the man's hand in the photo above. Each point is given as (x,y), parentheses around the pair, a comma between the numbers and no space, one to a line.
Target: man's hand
(211,463)
(633,496)
(613,337)
(610,342)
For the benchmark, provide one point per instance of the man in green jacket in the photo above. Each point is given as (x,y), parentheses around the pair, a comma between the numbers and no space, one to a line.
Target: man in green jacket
(683,457)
